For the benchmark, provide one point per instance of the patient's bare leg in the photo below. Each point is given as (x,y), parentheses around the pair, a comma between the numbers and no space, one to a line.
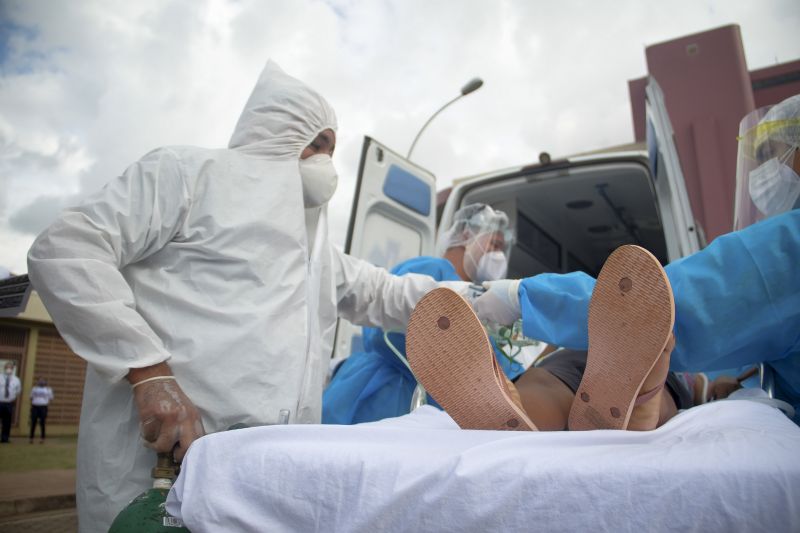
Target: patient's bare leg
(545,398)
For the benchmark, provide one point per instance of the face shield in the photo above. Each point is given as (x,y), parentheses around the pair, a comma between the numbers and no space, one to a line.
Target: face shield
(767,181)
(486,237)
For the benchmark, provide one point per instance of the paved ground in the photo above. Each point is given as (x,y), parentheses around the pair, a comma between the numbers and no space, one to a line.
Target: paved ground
(37,501)
(61,521)
(35,484)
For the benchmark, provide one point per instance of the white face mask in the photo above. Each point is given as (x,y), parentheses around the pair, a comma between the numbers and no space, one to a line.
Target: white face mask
(319,179)
(491,266)
(774,186)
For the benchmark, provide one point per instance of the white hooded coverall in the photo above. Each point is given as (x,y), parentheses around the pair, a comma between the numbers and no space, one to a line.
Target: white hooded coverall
(199,257)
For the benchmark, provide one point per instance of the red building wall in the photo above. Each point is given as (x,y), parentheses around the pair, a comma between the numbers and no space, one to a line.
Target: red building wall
(708,90)
(775,84)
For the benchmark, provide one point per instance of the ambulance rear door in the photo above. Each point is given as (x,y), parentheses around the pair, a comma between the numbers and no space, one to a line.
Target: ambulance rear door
(393,218)
(680,230)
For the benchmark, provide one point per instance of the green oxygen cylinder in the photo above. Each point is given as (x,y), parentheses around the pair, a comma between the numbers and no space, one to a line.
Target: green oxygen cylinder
(147,512)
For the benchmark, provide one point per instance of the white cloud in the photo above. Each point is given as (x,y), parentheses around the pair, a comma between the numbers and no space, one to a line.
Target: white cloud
(88,87)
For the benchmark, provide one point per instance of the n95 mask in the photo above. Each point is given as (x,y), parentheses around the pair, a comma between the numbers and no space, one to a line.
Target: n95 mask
(774,186)
(491,266)
(319,179)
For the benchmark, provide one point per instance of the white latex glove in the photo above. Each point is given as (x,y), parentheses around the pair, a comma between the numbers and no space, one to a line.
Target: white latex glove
(500,303)
(167,417)
(460,287)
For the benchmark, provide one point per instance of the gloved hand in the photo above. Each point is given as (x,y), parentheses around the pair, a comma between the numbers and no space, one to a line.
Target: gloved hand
(500,303)
(460,287)
(167,417)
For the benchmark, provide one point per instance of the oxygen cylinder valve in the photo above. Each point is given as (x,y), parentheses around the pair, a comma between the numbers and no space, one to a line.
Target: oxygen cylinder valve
(166,471)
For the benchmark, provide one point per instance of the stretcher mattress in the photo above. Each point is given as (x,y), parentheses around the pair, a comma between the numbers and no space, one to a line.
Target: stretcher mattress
(727,466)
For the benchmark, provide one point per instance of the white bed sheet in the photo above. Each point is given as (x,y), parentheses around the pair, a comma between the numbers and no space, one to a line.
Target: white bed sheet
(726,466)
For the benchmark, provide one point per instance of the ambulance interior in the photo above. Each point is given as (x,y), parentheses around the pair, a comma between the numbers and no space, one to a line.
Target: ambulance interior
(571,219)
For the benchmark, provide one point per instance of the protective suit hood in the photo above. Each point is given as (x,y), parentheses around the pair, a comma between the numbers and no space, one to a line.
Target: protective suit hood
(281,117)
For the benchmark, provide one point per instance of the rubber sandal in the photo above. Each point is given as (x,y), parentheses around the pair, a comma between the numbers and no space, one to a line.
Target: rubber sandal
(451,356)
(631,315)
(700,389)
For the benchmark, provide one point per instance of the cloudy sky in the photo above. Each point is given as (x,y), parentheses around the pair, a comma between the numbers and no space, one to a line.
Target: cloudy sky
(88,87)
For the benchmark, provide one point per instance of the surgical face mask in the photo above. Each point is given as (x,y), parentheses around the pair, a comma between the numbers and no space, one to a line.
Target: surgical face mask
(483,259)
(9,370)
(319,179)
(491,266)
(775,186)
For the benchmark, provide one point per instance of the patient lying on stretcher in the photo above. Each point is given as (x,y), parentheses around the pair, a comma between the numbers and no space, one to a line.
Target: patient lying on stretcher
(622,382)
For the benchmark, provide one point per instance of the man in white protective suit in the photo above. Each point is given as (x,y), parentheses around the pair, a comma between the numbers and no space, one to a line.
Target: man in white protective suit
(202,290)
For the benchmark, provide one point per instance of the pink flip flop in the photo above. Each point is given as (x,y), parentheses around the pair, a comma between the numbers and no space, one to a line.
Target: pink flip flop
(451,356)
(631,316)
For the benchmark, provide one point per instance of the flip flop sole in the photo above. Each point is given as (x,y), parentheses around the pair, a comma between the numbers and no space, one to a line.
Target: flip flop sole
(631,315)
(450,354)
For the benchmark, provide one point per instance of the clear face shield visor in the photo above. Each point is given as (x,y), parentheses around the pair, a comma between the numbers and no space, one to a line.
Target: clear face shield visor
(767,181)
(486,255)
(487,239)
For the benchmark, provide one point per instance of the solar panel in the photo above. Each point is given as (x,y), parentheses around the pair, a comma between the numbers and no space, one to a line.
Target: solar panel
(14,293)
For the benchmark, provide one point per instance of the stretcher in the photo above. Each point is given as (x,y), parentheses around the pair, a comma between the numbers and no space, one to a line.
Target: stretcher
(730,465)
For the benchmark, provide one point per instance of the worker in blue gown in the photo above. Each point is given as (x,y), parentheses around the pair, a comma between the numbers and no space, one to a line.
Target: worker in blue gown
(737,301)
(376,384)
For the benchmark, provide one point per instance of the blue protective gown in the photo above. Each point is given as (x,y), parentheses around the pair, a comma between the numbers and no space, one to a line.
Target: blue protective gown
(737,303)
(375,384)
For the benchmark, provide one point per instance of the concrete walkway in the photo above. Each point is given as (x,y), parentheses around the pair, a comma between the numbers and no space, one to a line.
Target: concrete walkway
(60,521)
(35,491)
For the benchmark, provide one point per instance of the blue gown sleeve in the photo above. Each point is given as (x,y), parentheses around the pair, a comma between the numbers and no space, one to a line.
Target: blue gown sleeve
(555,308)
(374,384)
(737,301)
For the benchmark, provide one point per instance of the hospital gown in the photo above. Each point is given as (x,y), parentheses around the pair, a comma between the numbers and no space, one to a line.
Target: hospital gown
(737,302)
(374,384)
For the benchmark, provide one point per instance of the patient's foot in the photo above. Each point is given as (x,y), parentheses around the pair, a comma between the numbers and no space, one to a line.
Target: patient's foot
(653,406)
(451,356)
(631,316)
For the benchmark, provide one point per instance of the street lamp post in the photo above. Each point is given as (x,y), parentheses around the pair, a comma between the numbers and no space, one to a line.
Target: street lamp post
(471,86)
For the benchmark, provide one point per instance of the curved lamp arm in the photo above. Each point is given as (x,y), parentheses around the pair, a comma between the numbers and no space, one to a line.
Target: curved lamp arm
(471,86)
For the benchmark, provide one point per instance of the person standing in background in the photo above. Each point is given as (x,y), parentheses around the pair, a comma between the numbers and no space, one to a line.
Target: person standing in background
(8,396)
(41,395)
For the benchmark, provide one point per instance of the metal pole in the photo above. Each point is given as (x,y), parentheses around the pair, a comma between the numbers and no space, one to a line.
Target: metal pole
(472,85)
(428,122)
